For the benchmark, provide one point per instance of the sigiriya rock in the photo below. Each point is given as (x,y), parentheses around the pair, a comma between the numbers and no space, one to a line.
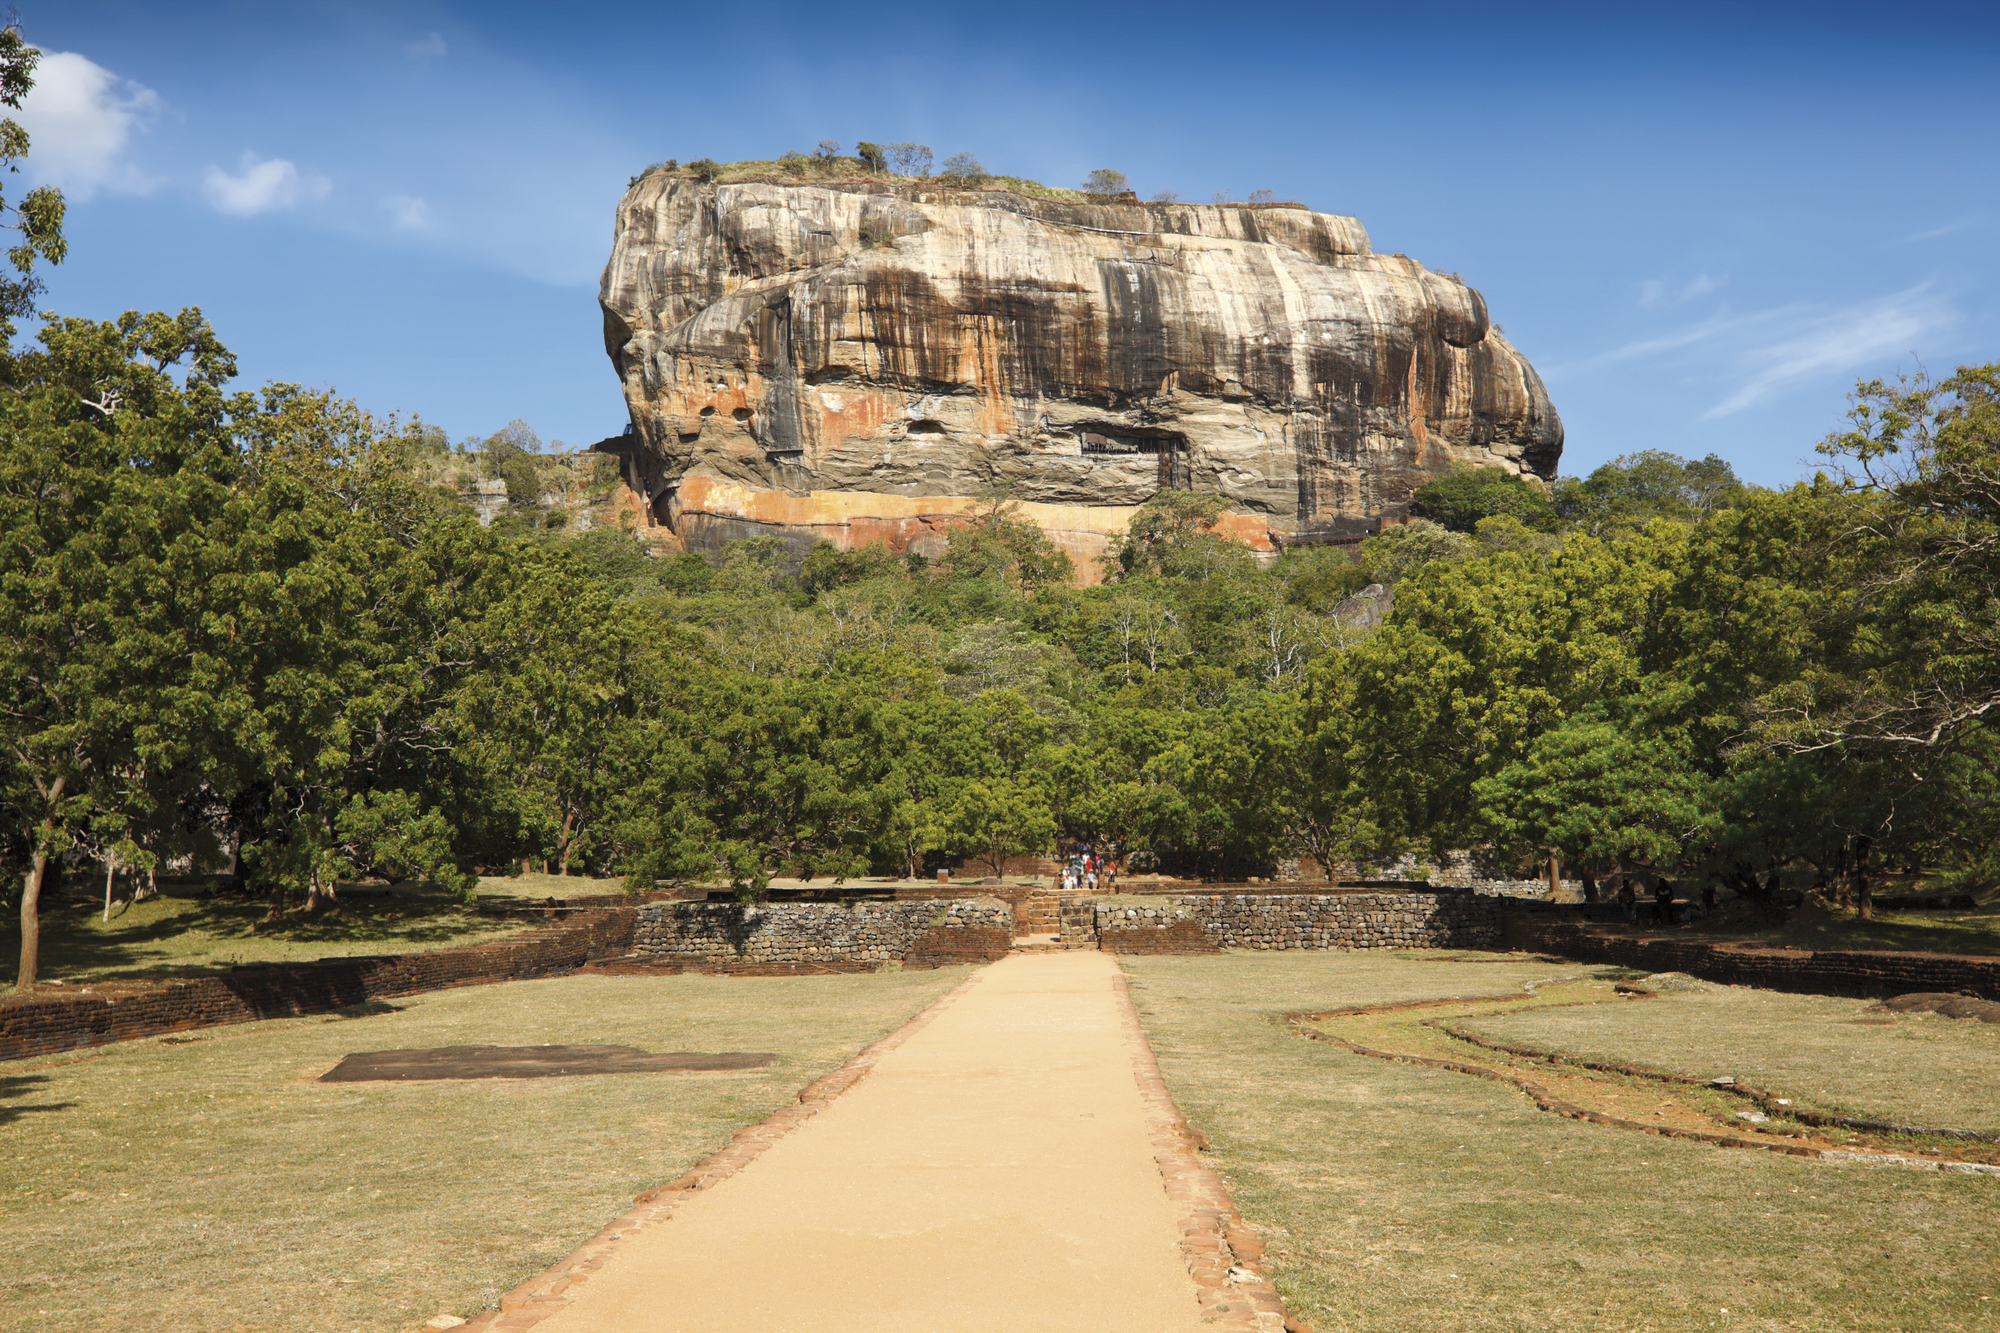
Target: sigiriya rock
(859,360)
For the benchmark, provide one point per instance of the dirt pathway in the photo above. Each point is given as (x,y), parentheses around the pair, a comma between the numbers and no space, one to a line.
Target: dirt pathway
(996,1170)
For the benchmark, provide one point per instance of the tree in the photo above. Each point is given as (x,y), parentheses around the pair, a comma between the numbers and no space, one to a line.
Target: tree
(705,169)
(1169,533)
(963,170)
(872,156)
(909,159)
(1600,792)
(1634,488)
(110,469)
(827,152)
(1465,495)
(513,455)
(1923,491)
(1399,551)
(38,218)
(1104,183)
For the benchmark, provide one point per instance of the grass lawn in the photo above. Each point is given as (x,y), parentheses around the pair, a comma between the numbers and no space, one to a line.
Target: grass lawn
(206,1182)
(1832,1054)
(1399,1197)
(1973,932)
(187,931)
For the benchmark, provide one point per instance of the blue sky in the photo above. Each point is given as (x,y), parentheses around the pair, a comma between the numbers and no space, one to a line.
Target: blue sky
(1701,222)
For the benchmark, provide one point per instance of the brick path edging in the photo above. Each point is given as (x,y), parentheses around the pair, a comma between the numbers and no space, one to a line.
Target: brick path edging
(1224,1256)
(550,1290)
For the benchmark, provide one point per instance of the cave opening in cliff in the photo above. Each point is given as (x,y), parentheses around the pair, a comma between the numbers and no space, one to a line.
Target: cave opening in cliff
(1115,442)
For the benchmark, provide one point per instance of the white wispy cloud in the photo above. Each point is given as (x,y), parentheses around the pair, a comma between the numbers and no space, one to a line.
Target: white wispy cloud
(430,48)
(1844,340)
(1932,234)
(1662,291)
(1716,328)
(261,186)
(408,211)
(80,118)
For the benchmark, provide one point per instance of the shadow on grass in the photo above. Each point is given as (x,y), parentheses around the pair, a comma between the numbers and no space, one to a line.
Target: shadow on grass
(1977,934)
(21,1085)
(183,933)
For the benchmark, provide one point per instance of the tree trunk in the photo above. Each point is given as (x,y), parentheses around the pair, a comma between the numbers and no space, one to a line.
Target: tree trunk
(277,901)
(1555,875)
(1590,894)
(31,895)
(1864,892)
(110,869)
(31,919)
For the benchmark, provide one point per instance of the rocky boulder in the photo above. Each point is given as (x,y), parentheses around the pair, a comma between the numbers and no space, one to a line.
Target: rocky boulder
(861,360)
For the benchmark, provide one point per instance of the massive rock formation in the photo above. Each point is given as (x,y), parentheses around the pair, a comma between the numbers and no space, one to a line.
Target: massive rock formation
(861,360)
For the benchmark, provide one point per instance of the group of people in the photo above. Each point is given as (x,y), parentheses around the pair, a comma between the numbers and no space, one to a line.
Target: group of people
(1666,912)
(1086,869)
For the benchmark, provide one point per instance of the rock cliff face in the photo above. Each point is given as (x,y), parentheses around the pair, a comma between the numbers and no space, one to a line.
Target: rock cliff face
(858,361)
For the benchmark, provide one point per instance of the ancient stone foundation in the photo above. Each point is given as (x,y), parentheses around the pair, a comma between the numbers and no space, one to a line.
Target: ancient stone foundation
(964,930)
(1206,922)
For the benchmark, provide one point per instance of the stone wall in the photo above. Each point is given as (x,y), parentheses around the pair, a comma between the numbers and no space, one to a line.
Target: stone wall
(63,1018)
(1564,930)
(1289,921)
(863,932)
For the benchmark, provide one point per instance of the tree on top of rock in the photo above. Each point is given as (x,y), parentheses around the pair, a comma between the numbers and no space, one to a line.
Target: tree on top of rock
(1105,181)
(909,159)
(963,169)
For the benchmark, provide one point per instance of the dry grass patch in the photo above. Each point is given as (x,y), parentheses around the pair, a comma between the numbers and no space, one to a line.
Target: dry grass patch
(207,1182)
(1399,1197)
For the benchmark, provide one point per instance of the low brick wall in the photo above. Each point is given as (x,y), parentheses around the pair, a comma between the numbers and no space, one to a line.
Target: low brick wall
(1288,920)
(861,932)
(1549,928)
(51,1020)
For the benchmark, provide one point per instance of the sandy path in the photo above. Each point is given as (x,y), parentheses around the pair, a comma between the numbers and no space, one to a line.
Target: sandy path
(994,1171)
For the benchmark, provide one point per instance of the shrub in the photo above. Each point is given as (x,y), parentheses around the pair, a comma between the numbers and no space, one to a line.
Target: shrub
(705,169)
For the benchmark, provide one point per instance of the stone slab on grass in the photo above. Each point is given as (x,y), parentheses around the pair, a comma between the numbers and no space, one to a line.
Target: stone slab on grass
(529,1062)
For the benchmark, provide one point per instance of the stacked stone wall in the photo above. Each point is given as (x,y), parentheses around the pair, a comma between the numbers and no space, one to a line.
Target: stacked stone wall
(50,1019)
(1286,920)
(861,932)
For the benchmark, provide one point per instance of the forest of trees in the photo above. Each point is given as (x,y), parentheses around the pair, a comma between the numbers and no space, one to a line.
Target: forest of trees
(245,628)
